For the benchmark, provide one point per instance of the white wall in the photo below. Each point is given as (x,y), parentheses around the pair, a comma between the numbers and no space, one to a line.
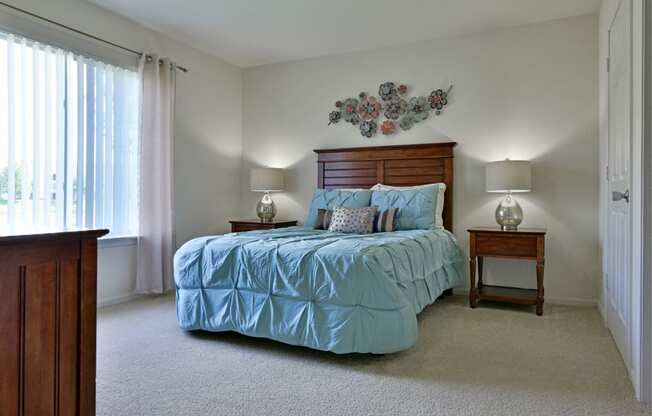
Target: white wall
(527,92)
(207,134)
(116,271)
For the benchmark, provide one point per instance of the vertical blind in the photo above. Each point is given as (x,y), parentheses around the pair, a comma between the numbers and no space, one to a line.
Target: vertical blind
(68,140)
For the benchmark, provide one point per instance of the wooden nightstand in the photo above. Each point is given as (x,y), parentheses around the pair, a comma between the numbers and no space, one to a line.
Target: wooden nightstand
(526,243)
(250,225)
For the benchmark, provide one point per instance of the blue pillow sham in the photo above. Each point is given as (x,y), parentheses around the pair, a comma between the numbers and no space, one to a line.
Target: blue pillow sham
(416,206)
(334,198)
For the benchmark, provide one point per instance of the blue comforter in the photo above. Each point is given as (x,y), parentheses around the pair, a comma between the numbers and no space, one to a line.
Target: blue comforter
(329,291)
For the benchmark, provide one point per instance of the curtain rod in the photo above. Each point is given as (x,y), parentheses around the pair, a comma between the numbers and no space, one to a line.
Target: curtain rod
(72,29)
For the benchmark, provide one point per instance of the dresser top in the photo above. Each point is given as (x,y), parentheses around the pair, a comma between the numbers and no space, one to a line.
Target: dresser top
(44,234)
(498,230)
(274,222)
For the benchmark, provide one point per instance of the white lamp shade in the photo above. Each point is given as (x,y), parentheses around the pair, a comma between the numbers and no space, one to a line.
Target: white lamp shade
(509,176)
(266,180)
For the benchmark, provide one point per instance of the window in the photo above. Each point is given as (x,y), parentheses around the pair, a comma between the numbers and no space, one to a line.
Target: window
(68,140)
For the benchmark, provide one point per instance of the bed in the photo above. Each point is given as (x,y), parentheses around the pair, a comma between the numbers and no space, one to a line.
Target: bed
(336,292)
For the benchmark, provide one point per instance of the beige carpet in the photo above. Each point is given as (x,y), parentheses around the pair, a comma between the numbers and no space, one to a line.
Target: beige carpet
(494,360)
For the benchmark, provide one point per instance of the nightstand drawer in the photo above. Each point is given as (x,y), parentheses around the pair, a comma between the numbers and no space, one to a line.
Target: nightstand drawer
(238,228)
(501,245)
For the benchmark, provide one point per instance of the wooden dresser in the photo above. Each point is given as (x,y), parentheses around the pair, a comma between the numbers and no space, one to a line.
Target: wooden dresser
(48,290)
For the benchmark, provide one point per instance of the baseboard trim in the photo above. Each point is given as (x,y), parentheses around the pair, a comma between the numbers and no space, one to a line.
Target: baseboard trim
(602,312)
(115,300)
(572,302)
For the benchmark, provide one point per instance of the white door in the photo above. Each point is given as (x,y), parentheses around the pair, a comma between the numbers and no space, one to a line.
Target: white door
(618,281)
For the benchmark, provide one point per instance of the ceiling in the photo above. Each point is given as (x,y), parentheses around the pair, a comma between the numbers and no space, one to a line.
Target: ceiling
(255,32)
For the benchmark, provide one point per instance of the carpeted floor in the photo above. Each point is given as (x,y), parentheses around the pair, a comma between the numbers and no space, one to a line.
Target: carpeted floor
(494,360)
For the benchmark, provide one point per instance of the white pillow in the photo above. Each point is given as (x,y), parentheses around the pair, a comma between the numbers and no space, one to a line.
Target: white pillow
(439,209)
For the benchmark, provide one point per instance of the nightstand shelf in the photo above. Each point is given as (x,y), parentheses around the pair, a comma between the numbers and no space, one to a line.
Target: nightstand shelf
(525,243)
(508,294)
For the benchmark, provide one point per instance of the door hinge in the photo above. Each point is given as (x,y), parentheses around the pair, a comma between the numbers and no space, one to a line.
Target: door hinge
(608,64)
(606,172)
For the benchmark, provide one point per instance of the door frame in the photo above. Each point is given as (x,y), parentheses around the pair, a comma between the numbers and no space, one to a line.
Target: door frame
(645,375)
(639,168)
(634,179)
(640,370)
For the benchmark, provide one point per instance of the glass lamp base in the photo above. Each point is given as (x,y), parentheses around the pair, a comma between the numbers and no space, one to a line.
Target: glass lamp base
(509,228)
(509,214)
(266,209)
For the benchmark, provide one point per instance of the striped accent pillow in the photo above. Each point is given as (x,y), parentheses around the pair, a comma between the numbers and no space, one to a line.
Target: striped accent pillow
(323,219)
(385,220)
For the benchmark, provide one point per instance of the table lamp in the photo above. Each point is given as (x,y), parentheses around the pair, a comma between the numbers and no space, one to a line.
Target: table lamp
(509,176)
(266,180)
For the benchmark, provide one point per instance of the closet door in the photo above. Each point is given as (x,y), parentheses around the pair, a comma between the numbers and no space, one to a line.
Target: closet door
(618,282)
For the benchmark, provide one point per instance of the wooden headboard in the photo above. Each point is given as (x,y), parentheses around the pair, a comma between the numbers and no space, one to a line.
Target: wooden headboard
(405,165)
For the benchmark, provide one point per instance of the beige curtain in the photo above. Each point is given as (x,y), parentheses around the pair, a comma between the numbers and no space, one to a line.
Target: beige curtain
(155,209)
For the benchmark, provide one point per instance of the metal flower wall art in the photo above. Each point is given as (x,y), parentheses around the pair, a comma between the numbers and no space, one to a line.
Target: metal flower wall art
(399,111)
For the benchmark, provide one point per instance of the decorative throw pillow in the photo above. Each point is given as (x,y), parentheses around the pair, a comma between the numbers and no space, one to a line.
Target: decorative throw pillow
(332,198)
(439,204)
(385,220)
(323,219)
(417,206)
(353,220)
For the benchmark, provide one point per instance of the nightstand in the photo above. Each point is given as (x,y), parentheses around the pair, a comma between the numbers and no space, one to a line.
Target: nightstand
(250,225)
(524,243)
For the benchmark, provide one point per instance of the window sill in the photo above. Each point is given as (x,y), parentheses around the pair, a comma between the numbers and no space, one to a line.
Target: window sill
(118,241)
